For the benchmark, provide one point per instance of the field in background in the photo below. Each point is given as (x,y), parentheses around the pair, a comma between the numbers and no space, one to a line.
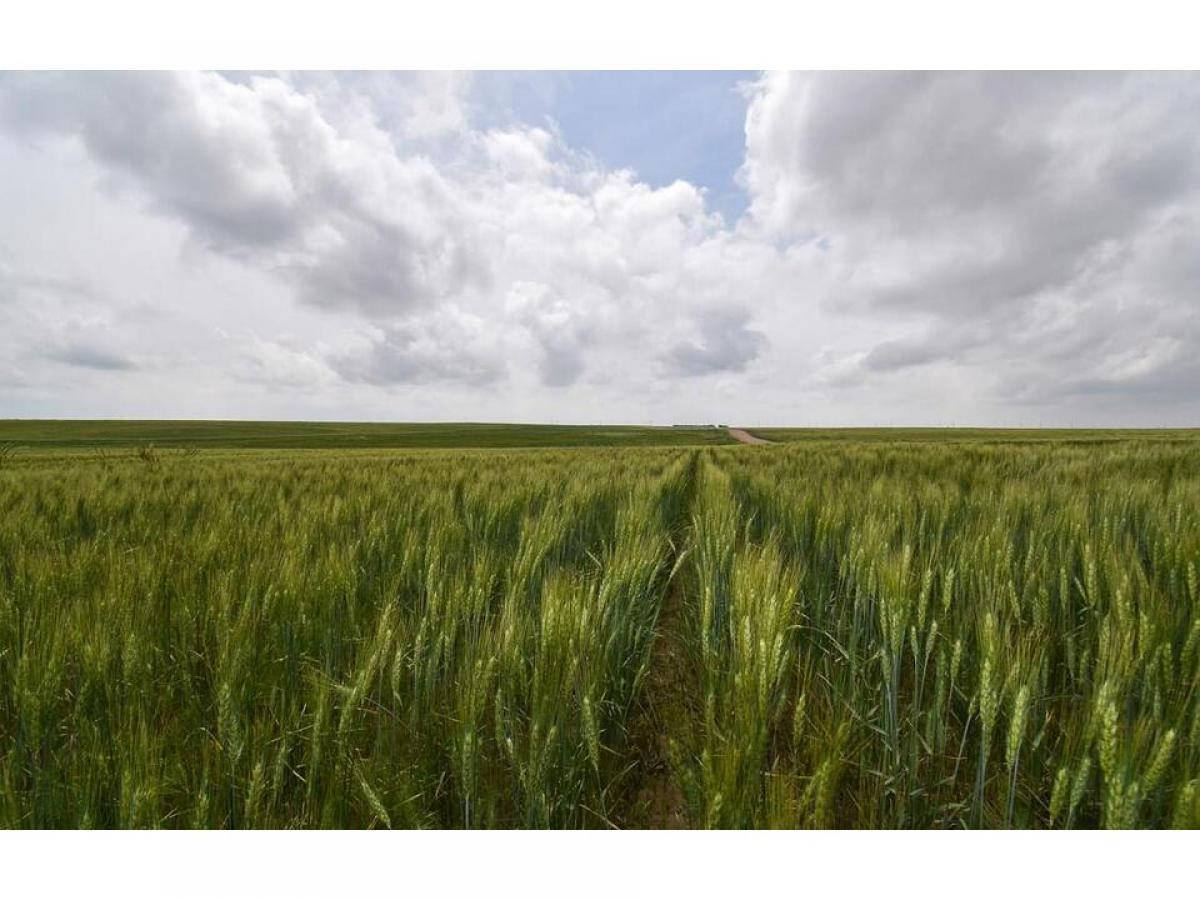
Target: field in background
(111,433)
(835,633)
(976,435)
(119,433)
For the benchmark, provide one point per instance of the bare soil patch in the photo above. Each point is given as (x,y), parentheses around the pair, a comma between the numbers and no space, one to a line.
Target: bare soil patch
(739,434)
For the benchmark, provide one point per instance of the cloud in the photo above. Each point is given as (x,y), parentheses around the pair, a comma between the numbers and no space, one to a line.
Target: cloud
(375,197)
(904,353)
(723,344)
(1031,222)
(90,356)
(277,365)
(914,244)
(556,327)
(454,347)
(50,316)
(256,171)
(17,285)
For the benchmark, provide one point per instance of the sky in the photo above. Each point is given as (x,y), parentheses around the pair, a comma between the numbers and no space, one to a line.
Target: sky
(644,247)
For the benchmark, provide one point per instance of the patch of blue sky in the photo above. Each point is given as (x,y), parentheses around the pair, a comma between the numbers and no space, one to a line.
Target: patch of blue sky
(665,126)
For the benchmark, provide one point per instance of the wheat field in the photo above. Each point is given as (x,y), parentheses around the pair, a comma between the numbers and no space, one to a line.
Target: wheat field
(834,633)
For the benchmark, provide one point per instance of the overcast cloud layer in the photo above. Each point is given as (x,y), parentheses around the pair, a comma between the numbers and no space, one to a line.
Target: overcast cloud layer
(916,248)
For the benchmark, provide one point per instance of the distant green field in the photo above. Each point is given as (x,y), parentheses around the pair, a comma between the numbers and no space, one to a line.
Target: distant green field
(990,435)
(48,434)
(67,434)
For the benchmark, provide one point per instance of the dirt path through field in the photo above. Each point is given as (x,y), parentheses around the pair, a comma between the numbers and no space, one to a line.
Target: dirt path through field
(659,802)
(667,706)
(746,437)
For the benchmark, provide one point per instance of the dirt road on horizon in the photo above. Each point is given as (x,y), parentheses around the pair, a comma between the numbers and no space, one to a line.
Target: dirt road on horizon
(746,437)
